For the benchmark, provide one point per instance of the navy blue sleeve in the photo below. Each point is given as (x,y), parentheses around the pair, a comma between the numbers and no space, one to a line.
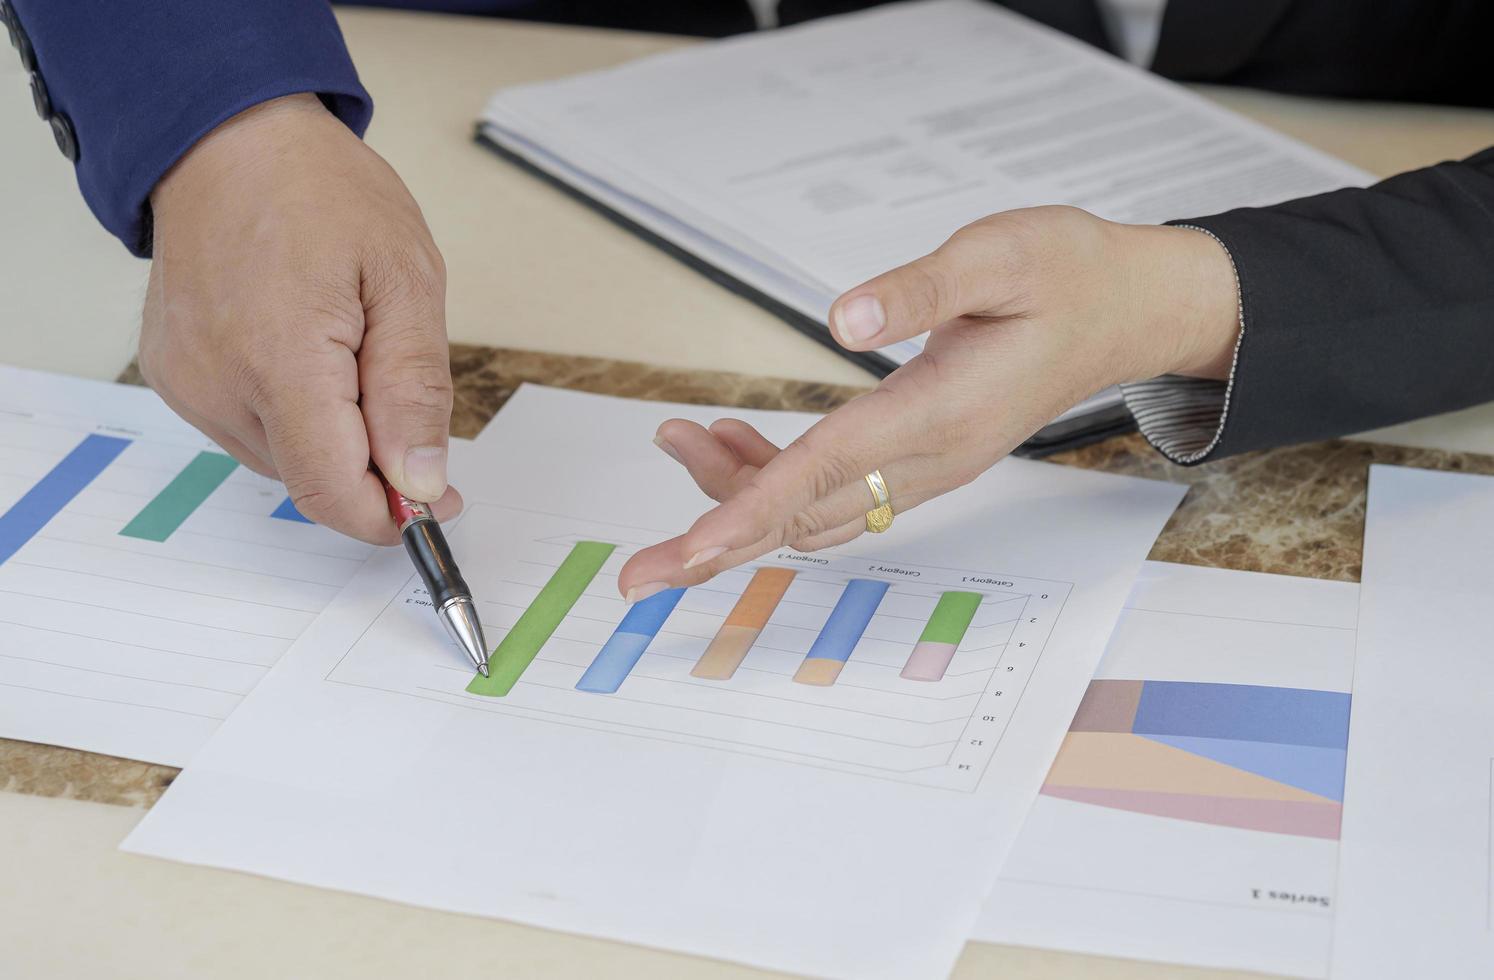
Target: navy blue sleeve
(140,81)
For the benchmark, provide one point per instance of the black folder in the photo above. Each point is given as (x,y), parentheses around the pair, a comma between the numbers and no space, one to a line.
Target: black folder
(1070,433)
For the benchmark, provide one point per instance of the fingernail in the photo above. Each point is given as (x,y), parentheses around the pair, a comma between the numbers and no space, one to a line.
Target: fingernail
(640,592)
(705,555)
(860,320)
(663,444)
(425,472)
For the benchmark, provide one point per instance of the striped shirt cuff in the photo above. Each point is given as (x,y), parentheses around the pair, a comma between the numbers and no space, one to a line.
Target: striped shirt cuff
(1184,418)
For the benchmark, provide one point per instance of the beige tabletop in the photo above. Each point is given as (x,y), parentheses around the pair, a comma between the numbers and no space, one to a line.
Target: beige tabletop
(528,269)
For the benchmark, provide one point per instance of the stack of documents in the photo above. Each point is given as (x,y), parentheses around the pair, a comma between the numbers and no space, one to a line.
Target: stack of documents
(774,766)
(742,769)
(792,166)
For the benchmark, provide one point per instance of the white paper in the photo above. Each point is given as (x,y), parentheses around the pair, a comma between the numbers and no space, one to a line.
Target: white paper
(1415,874)
(1115,882)
(850,830)
(807,160)
(131,647)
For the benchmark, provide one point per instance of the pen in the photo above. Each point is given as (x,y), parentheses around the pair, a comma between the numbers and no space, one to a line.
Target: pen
(450,597)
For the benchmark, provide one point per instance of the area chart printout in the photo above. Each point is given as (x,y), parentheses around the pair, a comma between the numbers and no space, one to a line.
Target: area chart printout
(147,581)
(1192,815)
(738,769)
(1416,872)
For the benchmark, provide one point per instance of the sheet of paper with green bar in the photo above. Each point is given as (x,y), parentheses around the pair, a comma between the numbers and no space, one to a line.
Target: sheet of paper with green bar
(147,581)
(812,763)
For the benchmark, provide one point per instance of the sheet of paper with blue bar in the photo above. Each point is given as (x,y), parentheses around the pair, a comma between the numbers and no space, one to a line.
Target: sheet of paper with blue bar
(147,581)
(661,759)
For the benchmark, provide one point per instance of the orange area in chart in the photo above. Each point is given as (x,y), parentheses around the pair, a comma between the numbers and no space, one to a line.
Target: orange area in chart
(1110,760)
(761,597)
(818,671)
(725,654)
(743,624)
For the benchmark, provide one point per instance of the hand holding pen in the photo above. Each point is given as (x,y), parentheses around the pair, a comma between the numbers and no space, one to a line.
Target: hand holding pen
(450,597)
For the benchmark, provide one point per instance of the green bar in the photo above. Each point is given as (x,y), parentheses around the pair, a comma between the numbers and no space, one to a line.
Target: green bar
(951,618)
(518,649)
(181,497)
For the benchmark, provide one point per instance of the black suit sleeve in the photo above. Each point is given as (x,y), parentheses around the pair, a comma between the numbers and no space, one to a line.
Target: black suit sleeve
(1359,308)
(1407,50)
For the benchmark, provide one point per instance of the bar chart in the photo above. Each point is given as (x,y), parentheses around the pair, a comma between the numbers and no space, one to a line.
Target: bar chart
(156,521)
(834,659)
(143,573)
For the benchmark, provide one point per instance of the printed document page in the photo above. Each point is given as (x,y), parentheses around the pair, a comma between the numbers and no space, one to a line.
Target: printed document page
(806,160)
(814,763)
(1415,871)
(147,581)
(1192,815)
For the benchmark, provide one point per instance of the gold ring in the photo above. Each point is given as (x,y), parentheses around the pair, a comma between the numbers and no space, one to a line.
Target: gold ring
(879,518)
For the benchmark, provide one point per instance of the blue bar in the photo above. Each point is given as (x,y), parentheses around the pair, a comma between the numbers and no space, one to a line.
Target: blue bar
(55,490)
(287,512)
(622,651)
(1283,715)
(647,616)
(842,631)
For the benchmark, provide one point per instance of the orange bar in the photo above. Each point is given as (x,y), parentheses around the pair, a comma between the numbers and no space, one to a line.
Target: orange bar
(762,596)
(746,620)
(725,654)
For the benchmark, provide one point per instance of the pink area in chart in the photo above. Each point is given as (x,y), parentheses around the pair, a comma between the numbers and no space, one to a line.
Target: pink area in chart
(928,661)
(1300,818)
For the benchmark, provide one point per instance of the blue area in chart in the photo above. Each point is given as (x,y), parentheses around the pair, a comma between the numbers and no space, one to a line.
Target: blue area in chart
(55,490)
(1310,767)
(1245,712)
(287,512)
(647,616)
(614,663)
(857,604)
(625,647)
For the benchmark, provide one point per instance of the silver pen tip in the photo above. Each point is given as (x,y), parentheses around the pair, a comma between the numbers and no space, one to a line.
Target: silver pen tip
(460,617)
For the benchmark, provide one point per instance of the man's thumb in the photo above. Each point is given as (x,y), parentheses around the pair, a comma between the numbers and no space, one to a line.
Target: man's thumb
(404,377)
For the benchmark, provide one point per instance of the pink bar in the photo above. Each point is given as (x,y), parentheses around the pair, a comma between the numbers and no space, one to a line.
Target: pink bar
(928,661)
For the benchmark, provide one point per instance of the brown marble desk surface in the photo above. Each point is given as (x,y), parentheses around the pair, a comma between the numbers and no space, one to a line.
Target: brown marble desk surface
(1297,511)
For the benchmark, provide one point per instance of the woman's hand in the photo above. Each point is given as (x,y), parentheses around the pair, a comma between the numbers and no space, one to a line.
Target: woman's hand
(1028,312)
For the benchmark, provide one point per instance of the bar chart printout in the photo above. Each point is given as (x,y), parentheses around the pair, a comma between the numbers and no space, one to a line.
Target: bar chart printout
(672,812)
(792,657)
(1192,814)
(144,585)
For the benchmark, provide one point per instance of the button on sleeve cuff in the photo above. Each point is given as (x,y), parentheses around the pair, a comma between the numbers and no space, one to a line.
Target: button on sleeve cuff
(141,83)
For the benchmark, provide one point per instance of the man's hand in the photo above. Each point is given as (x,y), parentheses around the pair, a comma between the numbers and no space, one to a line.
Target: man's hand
(296,314)
(1028,312)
